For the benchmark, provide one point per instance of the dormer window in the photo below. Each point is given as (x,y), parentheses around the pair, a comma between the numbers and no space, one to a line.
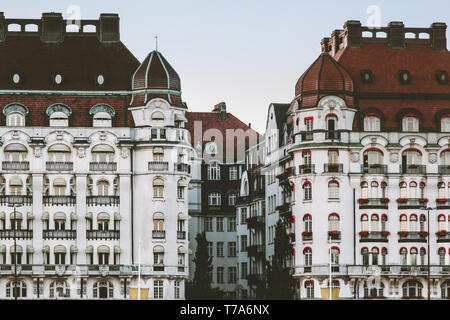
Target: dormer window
(404,77)
(372,122)
(442,76)
(102,115)
(15,115)
(158,117)
(59,115)
(366,76)
(445,123)
(410,123)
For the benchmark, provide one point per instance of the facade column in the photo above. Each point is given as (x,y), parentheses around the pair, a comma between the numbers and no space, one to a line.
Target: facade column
(81,210)
(125,223)
(37,210)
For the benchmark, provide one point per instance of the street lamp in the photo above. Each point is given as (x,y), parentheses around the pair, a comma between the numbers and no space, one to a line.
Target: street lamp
(428,245)
(16,202)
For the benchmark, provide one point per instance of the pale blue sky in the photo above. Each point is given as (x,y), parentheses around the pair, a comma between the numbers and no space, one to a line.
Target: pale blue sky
(247,53)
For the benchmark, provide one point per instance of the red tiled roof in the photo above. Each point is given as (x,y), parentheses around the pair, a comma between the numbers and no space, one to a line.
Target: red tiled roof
(212,127)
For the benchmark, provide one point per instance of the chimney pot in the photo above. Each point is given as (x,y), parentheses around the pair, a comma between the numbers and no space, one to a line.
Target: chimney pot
(109,29)
(324,44)
(353,34)
(52,27)
(335,41)
(396,34)
(2,27)
(438,36)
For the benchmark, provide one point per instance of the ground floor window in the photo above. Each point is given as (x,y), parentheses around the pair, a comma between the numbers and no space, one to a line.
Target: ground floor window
(158,289)
(103,290)
(412,289)
(18,290)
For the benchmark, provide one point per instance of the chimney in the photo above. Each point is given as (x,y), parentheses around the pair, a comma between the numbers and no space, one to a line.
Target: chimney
(335,41)
(438,37)
(353,34)
(396,34)
(324,44)
(2,27)
(221,108)
(249,125)
(109,30)
(52,27)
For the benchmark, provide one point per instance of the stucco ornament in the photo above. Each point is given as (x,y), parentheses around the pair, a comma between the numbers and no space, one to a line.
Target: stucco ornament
(59,269)
(432,157)
(354,156)
(394,157)
(103,270)
(37,152)
(124,153)
(81,153)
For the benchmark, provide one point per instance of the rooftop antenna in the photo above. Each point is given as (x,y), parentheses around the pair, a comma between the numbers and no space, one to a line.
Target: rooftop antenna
(156,42)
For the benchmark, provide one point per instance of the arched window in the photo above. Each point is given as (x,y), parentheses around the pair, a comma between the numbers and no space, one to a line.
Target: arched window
(103,255)
(59,153)
(445,123)
(214,199)
(60,254)
(373,158)
(214,171)
(375,253)
(333,190)
(412,289)
(60,289)
(365,256)
(331,123)
(103,114)
(442,225)
(333,222)
(307,220)
(158,255)
(410,123)
(413,223)
(59,187)
(412,158)
(445,290)
(15,119)
(102,188)
(306,155)
(181,186)
(422,222)
(441,253)
(413,253)
(384,220)
(383,189)
(374,222)
(309,288)
(422,190)
(403,190)
(384,253)
(372,123)
(15,186)
(441,190)
(308,256)
(103,290)
(59,219)
(158,223)
(373,290)
(335,255)
(102,153)
(158,117)
(364,222)
(103,220)
(158,188)
(423,252)
(307,191)
(18,289)
(445,158)
(413,190)
(403,223)
(59,119)
(403,256)
(374,189)
(15,152)
(364,190)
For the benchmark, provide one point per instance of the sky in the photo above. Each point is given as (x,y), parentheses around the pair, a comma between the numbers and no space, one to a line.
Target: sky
(246,53)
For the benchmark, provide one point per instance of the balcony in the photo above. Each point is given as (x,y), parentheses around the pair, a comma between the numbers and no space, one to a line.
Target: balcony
(12,199)
(102,200)
(374,236)
(334,235)
(444,169)
(374,169)
(59,166)
(306,168)
(411,203)
(59,200)
(243,200)
(333,167)
(182,167)
(288,172)
(103,166)
(256,250)
(102,234)
(59,234)
(20,234)
(413,169)
(16,165)
(181,235)
(332,135)
(158,234)
(442,203)
(307,136)
(255,222)
(373,203)
(412,236)
(443,236)
(158,267)
(158,166)
(307,236)
(256,279)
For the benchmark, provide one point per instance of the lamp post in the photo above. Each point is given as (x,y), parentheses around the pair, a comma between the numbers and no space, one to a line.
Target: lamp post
(17,202)
(428,246)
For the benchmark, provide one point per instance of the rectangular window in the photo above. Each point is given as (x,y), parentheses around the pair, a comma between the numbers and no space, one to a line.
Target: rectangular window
(243,243)
(232,224)
(243,215)
(158,289)
(154,133)
(232,249)
(209,224)
(233,173)
(219,224)
(210,249)
(232,275)
(220,274)
(244,270)
(177,289)
(220,249)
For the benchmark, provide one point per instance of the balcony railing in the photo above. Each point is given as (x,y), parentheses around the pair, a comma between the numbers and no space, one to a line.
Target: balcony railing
(288,172)
(257,250)
(413,169)
(333,167)
(182,167)
(255,222)
(158,267)
(306,168)
(374,236)
(307,136)
(59,166)
(103,234)
(59,200)
(414,203)
(181,235)
(16,199)
(334,135)
(334,235)
(444,169)
(16,165)
(375,203)
(159,234)
(374,169)
(443,236)
(412,236)
(103,166)
(59,234)
(158,166)
(102,200)
(307,236)
(20,234)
